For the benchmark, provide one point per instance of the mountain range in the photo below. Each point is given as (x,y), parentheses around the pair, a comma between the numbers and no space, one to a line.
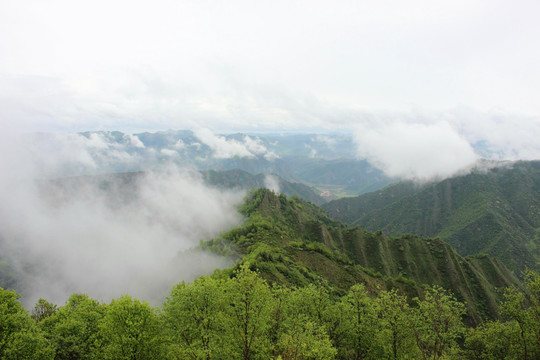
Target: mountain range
(492,210)
(292,242)
(473,233)
(328,162)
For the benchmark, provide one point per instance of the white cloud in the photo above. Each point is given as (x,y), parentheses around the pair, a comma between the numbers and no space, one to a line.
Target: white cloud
(66,154)
(175,73)
(255,146)
(75,235)
(223,148)
(414,150)
(327,140)
(135,141)
(312,151)
(169,152)
(499,135)
(179,145)
(271,182)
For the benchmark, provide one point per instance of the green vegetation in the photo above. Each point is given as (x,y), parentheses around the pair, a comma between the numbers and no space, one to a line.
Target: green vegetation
(304,287)
(19,337)
(242,316)
(496,212)
(294,243)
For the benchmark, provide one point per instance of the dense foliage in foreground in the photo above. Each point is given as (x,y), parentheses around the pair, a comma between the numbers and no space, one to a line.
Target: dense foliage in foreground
(242,317)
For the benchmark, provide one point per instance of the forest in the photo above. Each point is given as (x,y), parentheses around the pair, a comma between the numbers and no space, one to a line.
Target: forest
(238,315)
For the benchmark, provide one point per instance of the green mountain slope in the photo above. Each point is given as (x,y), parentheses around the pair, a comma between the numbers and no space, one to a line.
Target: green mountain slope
(494,211)
(293,242)
(351,209)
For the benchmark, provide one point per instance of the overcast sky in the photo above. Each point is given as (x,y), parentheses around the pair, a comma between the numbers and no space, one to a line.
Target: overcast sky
(272,65)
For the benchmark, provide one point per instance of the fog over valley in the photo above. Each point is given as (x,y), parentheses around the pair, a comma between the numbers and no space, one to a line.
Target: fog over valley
(106,238)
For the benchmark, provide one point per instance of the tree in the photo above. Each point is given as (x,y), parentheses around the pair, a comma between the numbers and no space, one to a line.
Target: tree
(248,316)
(514,308)
(130,331)
(279,315)
(437,323)
(28,344)
(19,337)
(532,283)
(193,316)
(359,328)
(13,318)
(306,340)
(492,340)
(303,329)
(42,310)
(74,328)
(394,322)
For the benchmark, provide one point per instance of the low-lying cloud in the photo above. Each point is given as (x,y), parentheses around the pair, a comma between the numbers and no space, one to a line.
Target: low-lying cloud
(499,135)
(419,151)
(223,148)
(68,154)
(271,182)
(105,235)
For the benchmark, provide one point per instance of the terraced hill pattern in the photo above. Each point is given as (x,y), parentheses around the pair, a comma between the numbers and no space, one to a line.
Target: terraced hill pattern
(292,242)
(494,211)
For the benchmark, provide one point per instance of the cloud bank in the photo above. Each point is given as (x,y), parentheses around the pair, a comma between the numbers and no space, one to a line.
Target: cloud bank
(104,235)
(223,148)
(414,150)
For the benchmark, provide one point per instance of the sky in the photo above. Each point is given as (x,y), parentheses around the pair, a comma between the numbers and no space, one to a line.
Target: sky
(264,65)
(450,75)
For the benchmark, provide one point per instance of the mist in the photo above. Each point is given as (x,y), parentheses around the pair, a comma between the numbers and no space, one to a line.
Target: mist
(226,149)
(104,235)
(271,182)
(414,151)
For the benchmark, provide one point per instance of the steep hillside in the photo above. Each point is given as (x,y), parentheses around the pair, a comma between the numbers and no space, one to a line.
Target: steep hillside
(294,243)
(351,209)
(494,211)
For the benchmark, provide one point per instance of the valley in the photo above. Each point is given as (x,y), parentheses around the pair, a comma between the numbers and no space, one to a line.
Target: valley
(290,216)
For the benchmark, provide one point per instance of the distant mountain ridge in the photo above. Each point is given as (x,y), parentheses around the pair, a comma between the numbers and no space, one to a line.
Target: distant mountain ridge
(239,179)
(328,162)
(494,211)
(125,183)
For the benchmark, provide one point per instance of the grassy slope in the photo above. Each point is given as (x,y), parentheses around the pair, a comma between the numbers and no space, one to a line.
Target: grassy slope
(495,212)
(294,243)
